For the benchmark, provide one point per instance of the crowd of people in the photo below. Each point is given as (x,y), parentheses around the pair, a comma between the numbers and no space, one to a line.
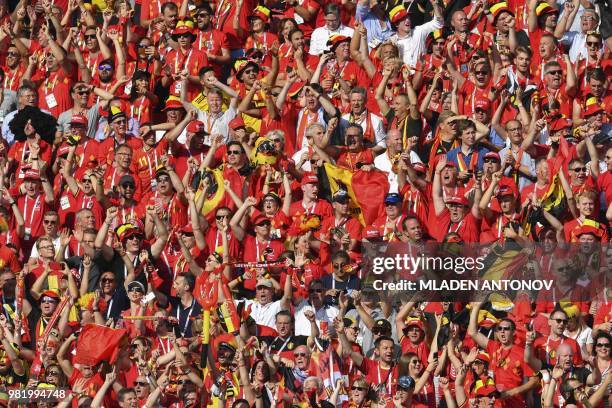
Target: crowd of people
(187,189)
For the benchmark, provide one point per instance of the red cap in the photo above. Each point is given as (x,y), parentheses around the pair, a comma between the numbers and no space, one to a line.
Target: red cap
(505,191)
(482,103)
(32,174)
(415,321)
(50,293)
(236,123)
(260,218)
(371,232)
(592,109)
(560,124)
(196,126)
(309,178)
(63,150)
(173,104)
(79,119)
(492,155)
(457,200)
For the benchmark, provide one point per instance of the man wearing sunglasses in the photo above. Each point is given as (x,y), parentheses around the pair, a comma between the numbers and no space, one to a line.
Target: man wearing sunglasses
(211,41)
(324,313)
(81,93)
(507,362)
(544,351)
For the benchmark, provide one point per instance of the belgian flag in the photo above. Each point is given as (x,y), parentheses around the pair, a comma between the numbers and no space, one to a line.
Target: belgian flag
(365,189)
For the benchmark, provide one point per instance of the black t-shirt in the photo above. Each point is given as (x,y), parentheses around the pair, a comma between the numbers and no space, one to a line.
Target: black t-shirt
(120,270)
(279,345)
(118,303)
(76,262)
(184,315)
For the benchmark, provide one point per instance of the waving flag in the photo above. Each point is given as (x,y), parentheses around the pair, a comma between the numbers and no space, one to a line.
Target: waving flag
(365,189)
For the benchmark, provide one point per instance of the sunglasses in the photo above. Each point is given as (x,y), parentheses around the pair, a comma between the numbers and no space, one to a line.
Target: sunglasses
(49,222)
(90,36)
(139,290)
(556,72)
(481,72)
(358,388)
(592,43)
(580,170)
(107,280)
(128,185)
(561,321)
(491,160)
(53,373)
(250,71)
(49,300)
(141,383)
(82,93)
(105,68)
(221,217)
(236,152)
(339,265)
(203,15)
(606,345)
(184,35)
(299,354)
(163,179)
(503,328)
(378,331)
(12,54)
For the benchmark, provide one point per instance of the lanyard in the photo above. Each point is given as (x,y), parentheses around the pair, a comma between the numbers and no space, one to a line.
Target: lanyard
(210,125)
(450,228)
(309,210)
(267,245)
(368,132)
(165,348)
(49,89)
(551,353)
(222,15)
(391,234)
(185,62)
(125,271)
(123,214)
(387,381)
(149,159)
(178,312)
(25,209)
(282,347)
(305,120)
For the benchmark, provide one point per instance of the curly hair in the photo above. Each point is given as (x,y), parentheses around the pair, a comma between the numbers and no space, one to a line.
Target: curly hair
(43,123)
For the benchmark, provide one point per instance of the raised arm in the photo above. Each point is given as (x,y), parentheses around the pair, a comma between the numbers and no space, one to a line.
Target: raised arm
(473,332)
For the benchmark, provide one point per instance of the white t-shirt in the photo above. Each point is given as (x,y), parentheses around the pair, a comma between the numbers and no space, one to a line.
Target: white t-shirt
(319,37)
(264,315)
(326,314)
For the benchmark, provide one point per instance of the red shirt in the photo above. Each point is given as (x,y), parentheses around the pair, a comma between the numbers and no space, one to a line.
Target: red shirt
(212,42)
(224,20)
(572,225)
(604,184)
(108,146)
(20,154)
(350,160)
(546,350)
(468,228)
(377,375)
(54,91)
(33,210)
(146,162)
(351,225)
(193,60)
(12,78)
(321,207)
(469,94)
(174,211)
(508,365)
(255,251)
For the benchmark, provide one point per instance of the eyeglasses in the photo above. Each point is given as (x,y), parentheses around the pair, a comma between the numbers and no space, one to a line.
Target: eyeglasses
(128,185)
(606,345)
(300,354)
(12,54)
(203,15)
(354,387)
(556,72)
(503,328)
(236,152)
(105,68)
(579,170)
(163,179)
(48,300)
(592,43)
(141,383)
(49,222)
(107,280)
(560,321)
(53,373)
